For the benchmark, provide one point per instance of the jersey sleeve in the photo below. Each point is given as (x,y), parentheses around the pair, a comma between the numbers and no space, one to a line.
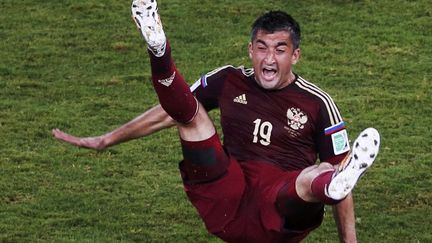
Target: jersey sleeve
(332,137)
(209,87)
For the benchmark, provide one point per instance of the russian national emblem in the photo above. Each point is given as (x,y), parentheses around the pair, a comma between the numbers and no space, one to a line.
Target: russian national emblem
(296,118)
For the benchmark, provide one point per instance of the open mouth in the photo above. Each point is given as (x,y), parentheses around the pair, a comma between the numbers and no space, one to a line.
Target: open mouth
(269,73)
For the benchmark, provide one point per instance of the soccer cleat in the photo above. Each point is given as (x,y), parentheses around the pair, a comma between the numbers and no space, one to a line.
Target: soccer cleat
(146,17)
(363,153)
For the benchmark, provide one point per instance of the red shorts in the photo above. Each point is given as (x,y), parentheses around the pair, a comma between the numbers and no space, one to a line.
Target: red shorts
(240,206)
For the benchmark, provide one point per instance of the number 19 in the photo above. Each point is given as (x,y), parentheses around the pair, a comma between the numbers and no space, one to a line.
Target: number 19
(262,132)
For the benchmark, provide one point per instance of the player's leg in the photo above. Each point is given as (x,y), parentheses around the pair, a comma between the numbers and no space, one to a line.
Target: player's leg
(300,201)
(204,158)
(325,184)
(213,182)
(173,92)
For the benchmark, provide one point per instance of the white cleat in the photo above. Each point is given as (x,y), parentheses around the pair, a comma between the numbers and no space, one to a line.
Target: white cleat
(364,151)
(146,17)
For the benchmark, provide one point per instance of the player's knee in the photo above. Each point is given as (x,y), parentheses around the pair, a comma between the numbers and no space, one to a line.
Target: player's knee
(324,166)
(199,128)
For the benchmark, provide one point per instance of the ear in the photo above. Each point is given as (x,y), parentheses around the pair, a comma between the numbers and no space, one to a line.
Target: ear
(250,48)
(296,56)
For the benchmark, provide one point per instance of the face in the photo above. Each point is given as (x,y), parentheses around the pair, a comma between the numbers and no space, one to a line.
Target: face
(272,56)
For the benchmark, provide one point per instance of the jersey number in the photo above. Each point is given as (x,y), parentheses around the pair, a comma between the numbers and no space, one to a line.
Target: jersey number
(262,132)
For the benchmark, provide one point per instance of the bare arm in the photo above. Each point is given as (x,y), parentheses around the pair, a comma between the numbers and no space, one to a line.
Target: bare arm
(343,214)
(151,121)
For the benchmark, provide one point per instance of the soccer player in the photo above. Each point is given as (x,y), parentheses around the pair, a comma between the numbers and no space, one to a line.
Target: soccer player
(263,185)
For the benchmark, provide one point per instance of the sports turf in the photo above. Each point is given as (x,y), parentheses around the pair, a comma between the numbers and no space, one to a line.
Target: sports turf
(82,66)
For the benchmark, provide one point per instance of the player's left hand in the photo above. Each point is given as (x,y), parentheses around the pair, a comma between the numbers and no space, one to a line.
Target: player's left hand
(96,143)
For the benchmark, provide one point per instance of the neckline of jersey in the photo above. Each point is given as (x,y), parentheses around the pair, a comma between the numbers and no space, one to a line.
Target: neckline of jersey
(276,90)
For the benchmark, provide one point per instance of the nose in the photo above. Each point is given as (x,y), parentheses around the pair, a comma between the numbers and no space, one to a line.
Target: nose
(269,58)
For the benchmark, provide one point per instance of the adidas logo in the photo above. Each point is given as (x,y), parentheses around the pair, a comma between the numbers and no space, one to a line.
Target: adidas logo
(168,81)
(241,99)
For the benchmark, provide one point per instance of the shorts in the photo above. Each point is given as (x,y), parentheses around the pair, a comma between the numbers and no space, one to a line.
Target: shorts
(240,206)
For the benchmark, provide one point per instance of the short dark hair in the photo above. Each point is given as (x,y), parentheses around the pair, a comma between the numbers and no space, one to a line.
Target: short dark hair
(274,21)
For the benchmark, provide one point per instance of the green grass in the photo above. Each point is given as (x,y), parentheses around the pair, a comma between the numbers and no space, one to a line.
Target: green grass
(82,66)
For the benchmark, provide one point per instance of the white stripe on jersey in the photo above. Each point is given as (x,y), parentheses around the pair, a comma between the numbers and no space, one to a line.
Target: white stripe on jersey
(195,85)
(247,72)
(217,70)
(332,109)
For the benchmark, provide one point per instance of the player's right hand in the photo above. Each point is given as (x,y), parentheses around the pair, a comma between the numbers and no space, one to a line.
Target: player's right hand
(96,143)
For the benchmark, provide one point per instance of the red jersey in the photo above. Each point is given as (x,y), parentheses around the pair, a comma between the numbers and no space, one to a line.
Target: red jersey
(289,127)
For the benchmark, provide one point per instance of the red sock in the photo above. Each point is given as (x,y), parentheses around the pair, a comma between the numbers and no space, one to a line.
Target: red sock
(173,92)
(319,185)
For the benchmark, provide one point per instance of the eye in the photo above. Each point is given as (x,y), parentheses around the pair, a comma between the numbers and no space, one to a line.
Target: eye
(280,50)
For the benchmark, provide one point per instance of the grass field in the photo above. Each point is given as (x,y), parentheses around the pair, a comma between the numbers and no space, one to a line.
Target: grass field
(82,66)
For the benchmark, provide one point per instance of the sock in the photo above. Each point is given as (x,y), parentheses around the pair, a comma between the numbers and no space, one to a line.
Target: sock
(173,92)
(319,187)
